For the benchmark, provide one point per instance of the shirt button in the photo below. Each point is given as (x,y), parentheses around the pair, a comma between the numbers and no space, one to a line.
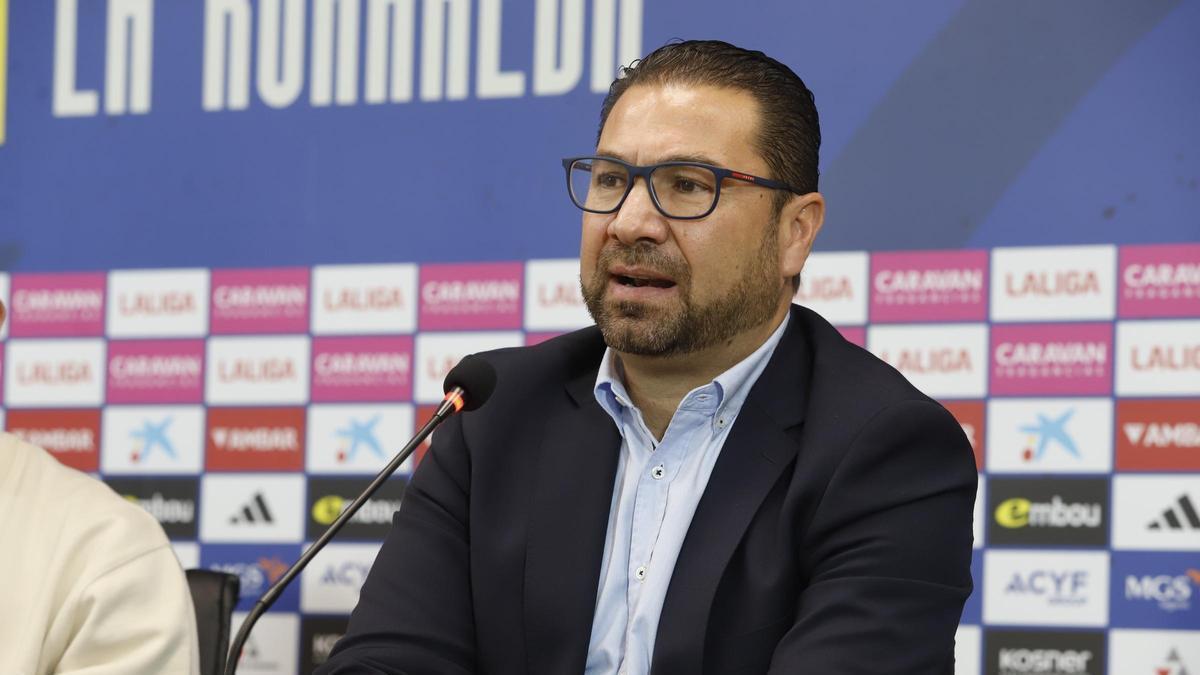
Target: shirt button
(640,573)
(658,472)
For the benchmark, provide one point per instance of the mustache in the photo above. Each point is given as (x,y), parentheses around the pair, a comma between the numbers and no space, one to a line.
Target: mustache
(647,255)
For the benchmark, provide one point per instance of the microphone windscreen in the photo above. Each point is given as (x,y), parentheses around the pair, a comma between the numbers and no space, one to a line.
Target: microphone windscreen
(476,377)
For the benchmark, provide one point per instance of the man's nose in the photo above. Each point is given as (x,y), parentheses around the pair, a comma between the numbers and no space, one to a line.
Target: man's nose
(638,219)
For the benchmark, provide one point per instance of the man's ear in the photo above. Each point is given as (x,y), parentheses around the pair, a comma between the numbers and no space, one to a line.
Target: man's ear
(2,314)
(799,223)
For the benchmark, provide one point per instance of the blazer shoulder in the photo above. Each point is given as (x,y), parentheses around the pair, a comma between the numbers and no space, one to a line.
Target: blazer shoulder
(848,378)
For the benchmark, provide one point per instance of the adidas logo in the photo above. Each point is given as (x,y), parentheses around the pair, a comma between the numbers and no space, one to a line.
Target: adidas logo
(254,512)
(1179,516)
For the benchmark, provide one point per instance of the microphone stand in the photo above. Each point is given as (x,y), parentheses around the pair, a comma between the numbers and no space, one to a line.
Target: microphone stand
(450,405)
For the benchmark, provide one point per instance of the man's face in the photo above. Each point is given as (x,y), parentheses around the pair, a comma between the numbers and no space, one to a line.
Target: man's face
(659,286)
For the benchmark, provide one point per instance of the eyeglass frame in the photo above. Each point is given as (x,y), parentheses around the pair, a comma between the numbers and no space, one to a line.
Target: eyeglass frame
(644,172)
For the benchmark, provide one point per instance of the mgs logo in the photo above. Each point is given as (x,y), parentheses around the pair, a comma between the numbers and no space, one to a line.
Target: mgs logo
(1169,593)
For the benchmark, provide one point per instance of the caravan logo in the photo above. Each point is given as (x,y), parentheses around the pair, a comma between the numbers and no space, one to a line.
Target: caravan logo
(362,369)
(160,371)
(260,301)
(57,305)
(929,286)
(1052,359)
(479,296)
(1160,280)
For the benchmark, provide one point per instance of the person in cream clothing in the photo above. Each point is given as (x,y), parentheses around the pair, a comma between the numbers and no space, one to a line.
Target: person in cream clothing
(88,581)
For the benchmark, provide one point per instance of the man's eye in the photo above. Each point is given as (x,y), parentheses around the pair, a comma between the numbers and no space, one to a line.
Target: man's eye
(610,180)
(689,186)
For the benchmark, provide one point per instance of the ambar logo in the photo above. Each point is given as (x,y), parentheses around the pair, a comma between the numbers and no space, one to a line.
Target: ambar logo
(971,416)
(72,436)
(1158,435)
(255,439)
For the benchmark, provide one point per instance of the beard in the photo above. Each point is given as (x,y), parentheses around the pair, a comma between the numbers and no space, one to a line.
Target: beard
(683,327)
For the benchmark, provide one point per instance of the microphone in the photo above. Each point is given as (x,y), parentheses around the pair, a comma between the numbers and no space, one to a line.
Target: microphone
(468,386)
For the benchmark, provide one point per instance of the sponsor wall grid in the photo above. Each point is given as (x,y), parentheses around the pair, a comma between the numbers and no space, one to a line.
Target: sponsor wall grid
(239,406)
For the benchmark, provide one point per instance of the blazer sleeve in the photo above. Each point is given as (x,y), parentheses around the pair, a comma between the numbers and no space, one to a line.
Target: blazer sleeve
(414,614)
(889,551)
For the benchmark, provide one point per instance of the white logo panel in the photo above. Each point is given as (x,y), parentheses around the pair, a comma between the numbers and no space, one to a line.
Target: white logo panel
(552,298)
(252,508)
(257,370)
(54,373)
(968,650)
(1153,652)
(1058,435)
(159,439)
(273,647)
(158,303)
(364,299)
(1158,358)
(1156,512)
(1045,589)
(1054,283)
(437,353)
(834,285)
(942,360)
(357,439)
(331,583)
(188,553)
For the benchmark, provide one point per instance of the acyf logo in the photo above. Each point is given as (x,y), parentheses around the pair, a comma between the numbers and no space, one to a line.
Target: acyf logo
(1058,587)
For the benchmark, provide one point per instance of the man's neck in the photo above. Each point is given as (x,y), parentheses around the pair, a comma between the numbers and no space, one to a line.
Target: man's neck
(656,384)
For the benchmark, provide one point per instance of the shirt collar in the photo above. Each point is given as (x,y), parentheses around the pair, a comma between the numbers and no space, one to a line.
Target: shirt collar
(730,388)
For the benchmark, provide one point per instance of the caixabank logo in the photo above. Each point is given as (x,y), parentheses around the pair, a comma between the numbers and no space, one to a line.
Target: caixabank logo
(172,501)
(1018,652)
(152,440)
(328,497)
(1155,590)
(357,439)
(1047,512)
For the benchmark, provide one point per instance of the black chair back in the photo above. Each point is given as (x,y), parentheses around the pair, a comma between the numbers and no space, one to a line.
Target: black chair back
(215,596)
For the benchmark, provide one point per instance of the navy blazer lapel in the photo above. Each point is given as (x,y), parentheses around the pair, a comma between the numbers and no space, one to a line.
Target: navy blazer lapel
(568,524)
(754,456)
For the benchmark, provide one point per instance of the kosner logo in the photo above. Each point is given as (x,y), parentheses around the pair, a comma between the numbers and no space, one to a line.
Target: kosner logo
(1045,661)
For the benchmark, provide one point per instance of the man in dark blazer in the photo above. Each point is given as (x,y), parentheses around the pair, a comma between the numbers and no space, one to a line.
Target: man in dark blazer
(825,525)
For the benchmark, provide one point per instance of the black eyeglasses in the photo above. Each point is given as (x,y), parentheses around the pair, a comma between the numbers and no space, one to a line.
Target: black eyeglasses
(680,190)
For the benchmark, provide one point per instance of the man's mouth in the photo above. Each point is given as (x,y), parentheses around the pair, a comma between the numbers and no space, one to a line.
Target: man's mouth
(638,282)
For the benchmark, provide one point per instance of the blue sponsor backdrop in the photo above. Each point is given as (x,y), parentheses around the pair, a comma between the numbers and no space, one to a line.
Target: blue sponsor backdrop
(946,124)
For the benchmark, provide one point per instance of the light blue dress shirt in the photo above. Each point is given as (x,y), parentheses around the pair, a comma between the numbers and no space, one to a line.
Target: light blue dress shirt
(657,489)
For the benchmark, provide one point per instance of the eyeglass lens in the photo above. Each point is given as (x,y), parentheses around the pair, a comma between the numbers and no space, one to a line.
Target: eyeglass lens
(682,191)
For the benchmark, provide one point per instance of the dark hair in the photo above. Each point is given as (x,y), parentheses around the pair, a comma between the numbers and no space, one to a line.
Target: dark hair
(789,133)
